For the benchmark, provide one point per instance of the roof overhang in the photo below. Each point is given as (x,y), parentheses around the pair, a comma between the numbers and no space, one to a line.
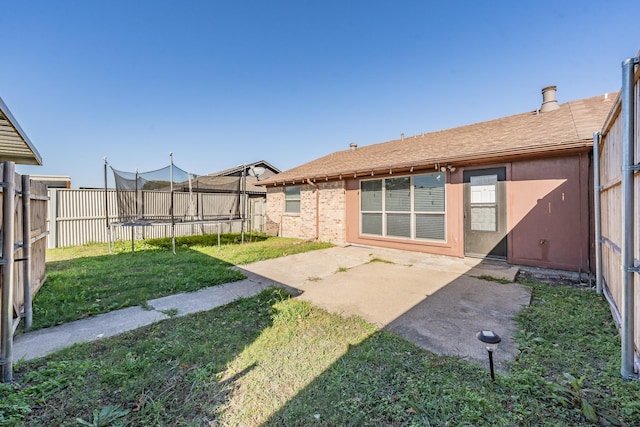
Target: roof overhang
(541,151)
(14,142)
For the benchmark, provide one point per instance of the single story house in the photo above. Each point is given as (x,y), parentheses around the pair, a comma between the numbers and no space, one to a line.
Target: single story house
(518,188)
(53,181)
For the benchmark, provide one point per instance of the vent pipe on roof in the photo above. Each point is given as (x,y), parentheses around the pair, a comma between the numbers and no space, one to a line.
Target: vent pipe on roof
(353,146)
(549,101)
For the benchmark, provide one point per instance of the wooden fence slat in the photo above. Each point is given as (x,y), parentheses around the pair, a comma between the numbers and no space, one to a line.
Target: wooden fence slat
(611,216)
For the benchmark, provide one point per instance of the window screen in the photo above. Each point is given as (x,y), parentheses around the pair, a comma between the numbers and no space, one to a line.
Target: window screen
(410,207)
(292,199)
(397,194)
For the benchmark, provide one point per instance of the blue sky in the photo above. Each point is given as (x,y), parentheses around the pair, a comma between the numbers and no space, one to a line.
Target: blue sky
(221,83)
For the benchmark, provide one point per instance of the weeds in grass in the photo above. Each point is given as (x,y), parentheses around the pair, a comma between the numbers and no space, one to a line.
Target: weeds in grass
(171,312)
(571,393)
(107,416)
(146,306)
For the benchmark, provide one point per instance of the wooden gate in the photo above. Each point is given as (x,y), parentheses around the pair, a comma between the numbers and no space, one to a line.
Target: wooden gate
(22,260)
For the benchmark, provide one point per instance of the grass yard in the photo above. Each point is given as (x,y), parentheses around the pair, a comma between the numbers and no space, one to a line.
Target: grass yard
(87,280)
(274,360)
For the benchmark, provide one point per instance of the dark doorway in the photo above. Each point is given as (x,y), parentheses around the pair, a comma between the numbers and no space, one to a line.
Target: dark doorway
(485,214)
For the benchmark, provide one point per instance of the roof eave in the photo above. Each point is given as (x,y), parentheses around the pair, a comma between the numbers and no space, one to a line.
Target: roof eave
(35,159)
(425,164)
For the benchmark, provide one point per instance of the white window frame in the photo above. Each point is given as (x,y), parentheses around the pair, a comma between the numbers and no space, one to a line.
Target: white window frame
(292,199)
(412,213)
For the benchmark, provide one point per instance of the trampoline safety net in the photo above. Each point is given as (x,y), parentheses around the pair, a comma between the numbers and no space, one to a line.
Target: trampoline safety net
(172,195)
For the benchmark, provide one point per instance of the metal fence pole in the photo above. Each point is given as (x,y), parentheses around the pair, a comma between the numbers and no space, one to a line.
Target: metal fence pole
(627,255)
(597,209)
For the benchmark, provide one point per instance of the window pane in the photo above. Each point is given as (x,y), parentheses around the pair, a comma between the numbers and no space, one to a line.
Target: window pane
(292,193)
(483,218)
(398,194)
(372,223)
(429,192)
(399,225)
(483,188)
(371,195)
(430,227)
(292,206)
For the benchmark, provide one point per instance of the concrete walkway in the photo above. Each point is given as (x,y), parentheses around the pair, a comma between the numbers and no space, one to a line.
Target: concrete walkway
(437,302)
(39,343)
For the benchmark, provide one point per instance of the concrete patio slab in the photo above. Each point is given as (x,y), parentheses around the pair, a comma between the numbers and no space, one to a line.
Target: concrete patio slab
(437,302)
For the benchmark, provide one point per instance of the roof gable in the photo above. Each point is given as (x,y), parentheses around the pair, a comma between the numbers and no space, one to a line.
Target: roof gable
(252,183)
(15,146)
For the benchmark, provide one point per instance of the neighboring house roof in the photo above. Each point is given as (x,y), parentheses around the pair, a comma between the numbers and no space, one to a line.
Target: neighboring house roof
(15,146)
(571,126)
(53,181)
(252,181)
(238,169)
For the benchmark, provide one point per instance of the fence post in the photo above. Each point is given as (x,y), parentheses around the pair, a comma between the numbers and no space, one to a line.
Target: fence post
(52,216)
(8,226)
(627,333)
(597,136)
(26,251)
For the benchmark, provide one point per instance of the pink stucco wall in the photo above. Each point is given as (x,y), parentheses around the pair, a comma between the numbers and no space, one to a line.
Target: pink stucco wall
(549,213)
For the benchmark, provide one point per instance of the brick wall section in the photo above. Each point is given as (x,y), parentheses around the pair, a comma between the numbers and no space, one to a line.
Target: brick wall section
(275,207)
(303,225)
(332,211)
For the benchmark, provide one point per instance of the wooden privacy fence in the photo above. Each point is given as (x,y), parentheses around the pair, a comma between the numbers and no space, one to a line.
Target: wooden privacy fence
(24,245)
(77,217)
(617,185)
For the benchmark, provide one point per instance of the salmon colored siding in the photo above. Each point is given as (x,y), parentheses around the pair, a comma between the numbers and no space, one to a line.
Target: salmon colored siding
(548,210)
(547,213)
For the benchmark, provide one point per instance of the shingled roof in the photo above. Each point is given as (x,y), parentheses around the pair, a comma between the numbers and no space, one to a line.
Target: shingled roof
(569,127)
(15,146)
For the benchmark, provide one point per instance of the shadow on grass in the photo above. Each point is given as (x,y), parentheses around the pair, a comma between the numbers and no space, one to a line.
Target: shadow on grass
(386,380)
(173,372)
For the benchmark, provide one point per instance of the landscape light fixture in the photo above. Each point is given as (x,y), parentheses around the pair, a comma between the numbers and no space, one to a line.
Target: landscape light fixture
(491,341)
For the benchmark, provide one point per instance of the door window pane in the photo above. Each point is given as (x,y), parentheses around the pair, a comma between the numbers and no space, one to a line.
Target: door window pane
(483,188)
(483,218)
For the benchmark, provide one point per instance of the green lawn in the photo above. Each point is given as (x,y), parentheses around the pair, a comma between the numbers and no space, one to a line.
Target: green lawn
(87,280)
(273,360)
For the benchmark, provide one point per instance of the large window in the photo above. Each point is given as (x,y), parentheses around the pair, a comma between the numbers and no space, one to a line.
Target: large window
(411,207)
(292,199)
